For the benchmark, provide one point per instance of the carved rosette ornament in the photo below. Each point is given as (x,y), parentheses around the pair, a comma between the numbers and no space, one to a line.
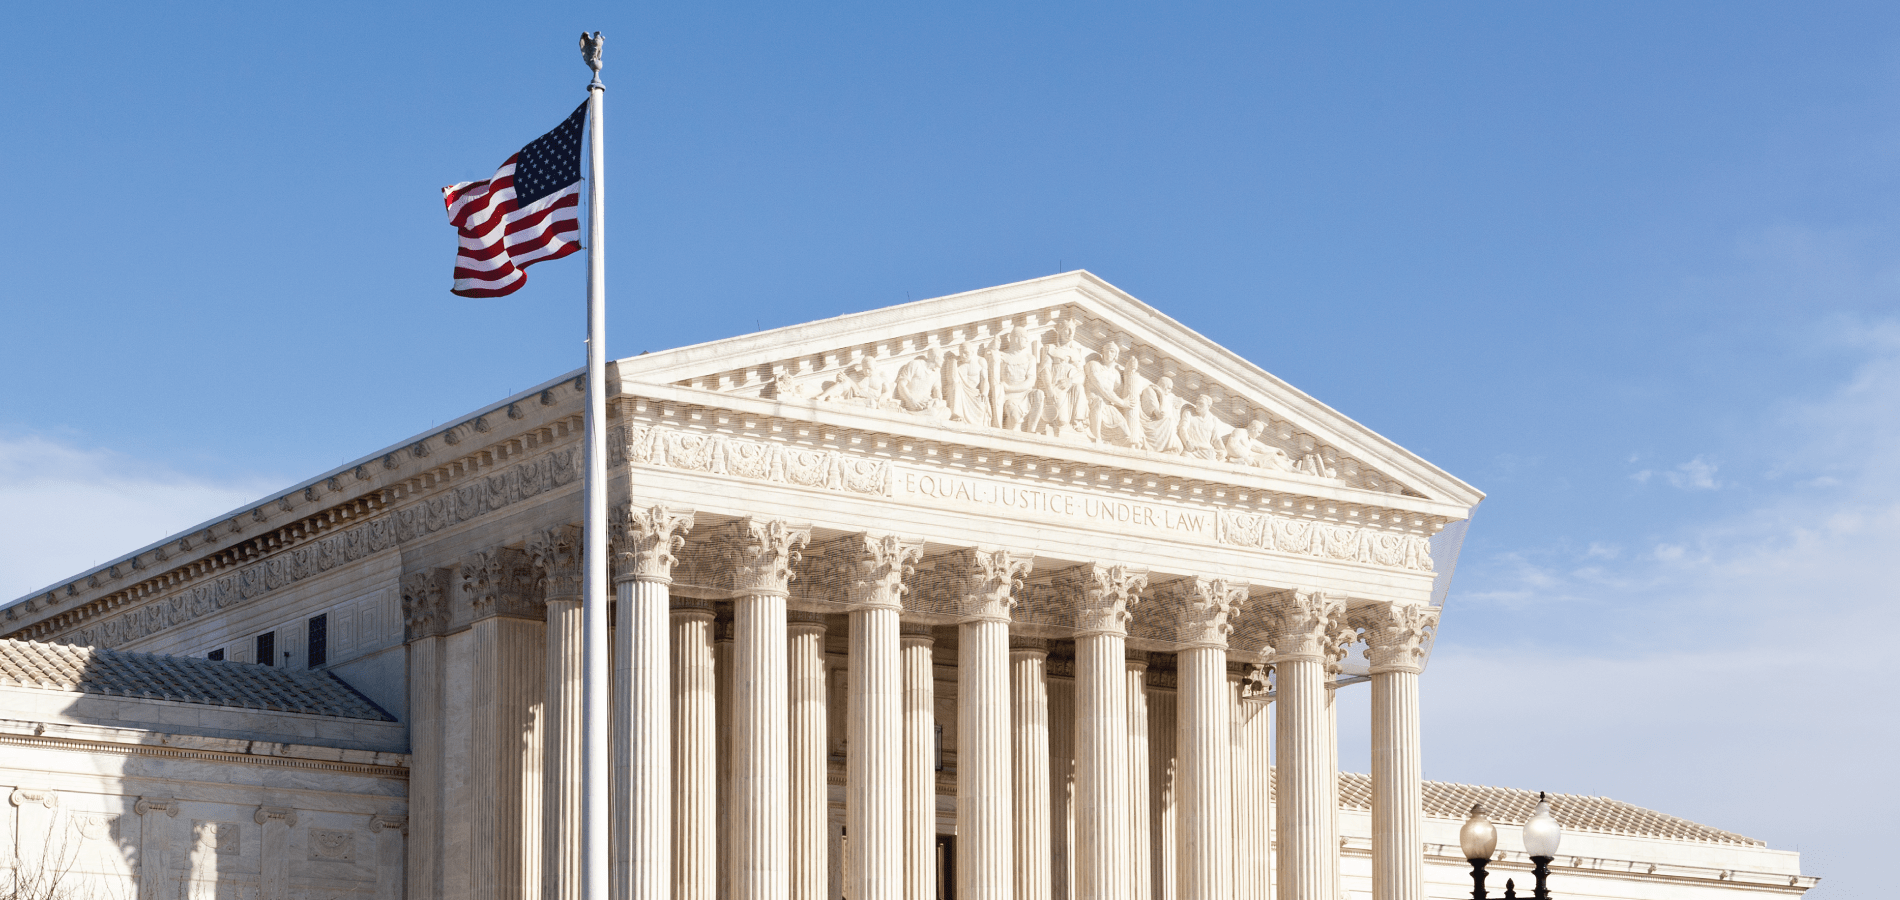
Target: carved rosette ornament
(501,582)
(984,582)
(763,552)
(1204,609)
(425,603)
(1103,596)
(557,556)
(644,541)
(1301,625)
(877,570)
(1396,635)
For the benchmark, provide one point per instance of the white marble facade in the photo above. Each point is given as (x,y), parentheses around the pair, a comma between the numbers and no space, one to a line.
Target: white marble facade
(977,597)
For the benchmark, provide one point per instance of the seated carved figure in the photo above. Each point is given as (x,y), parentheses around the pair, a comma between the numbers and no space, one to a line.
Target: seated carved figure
(1200,430)
(1244,446)
(1111,415)
(859,384)
(1064,367)
(1161,416)
(966,385)
(920,385)
(1022,401)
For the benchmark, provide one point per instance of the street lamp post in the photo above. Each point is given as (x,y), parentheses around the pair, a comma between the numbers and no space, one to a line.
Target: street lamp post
(1479,839)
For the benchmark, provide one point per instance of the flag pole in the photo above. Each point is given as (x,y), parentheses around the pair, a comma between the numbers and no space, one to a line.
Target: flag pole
(595,865)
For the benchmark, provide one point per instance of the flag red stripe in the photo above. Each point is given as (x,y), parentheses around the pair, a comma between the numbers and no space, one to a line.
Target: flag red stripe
(496,240)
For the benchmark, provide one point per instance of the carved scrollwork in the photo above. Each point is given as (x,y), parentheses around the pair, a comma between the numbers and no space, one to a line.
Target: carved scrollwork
(1396,635)
(984,581)
(1324,540)
(556,553)
(1201,609)
(1300,625)
(644,540)
(425,603)
(763,553)
(501,582)
(877,567)
(1103,596)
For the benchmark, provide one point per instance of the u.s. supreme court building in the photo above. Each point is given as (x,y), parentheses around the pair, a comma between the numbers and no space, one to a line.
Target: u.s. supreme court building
(1025,593)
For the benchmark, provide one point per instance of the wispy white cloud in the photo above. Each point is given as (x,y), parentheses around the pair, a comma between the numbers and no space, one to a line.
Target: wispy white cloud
(1695,475)
(69,508)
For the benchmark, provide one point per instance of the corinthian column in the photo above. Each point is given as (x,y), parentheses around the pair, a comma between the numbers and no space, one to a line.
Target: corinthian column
(1298,629)
(642,732)
(810,829)
(920,769)
(1395,642)
(695,776)
(874,764)
(557,554)
(763,553)
(1029,746)
(509,637)
(425,609)
(1202,608)
(985,582)
(1103,595)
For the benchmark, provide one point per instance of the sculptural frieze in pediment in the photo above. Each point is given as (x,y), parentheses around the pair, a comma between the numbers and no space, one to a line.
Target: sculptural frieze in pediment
(1057,373)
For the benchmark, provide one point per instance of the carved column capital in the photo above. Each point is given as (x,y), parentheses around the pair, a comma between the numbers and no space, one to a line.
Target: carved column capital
(875,568)
(557,556)
(425,603)
(382,822)
(984,581)
(1203,609)
(762,553)
(166,805)
(501,582)
(644,541)
(1300,626)
(24,796)
(1102,595)
(1396,634)
(266,814)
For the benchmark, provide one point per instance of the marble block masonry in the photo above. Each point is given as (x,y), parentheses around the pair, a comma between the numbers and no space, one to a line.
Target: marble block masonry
(1028,593)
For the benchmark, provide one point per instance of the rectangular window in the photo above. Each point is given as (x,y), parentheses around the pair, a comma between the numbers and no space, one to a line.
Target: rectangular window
(216,655)
(317,643)
(267,648)
(939,748)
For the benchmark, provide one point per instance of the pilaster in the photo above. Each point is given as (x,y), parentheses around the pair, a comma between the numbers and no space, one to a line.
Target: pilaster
(425,598)
(508,635)
(556,554)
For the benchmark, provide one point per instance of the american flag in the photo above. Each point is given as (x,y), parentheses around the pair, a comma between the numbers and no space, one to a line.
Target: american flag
(529,211)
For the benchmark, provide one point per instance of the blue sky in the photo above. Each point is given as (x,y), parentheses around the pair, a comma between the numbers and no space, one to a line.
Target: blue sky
(1629,268)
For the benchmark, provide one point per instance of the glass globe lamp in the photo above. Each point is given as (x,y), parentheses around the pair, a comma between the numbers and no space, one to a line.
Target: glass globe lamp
(1479,838)
(1541,832)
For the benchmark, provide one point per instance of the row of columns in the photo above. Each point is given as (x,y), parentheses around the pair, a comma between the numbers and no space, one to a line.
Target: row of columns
(759,801)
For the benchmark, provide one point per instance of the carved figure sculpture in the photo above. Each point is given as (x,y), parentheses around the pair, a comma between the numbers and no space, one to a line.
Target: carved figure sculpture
(966,385)
(1244,446)
(1019,402)
(1322,464)
(1161,416)
(1111,415)
(1200,430)
(784,389)
(920,385)
(859,384)
(1064,365)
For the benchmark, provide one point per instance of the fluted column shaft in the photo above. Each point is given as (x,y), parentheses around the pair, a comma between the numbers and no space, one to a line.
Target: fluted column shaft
(1304,779)
(561,815)
(1062,782)
(725,657)
(873,758)
(1395,642)
(641,708)
(506,672)
(695,776)
(809,830)
(1163,791)
(1103,595)
(920,769)
(1206,783)
(764,552)
(986,581)
(1139,865)
(1029,749)
(1253,806)
(984,832)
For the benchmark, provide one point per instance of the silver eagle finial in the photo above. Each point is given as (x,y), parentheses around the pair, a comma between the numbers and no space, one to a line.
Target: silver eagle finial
(590,51)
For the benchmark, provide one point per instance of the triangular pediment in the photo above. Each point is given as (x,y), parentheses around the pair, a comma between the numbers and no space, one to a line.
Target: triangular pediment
(1068,359)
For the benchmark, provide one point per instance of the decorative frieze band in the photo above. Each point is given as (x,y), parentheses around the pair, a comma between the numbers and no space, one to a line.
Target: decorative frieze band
(462,503)
(1324,540)
(696,451)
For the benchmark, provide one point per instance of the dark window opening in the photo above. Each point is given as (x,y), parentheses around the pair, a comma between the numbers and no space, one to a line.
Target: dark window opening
(939,748)
(216,655)
(267,648)
(318,646)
